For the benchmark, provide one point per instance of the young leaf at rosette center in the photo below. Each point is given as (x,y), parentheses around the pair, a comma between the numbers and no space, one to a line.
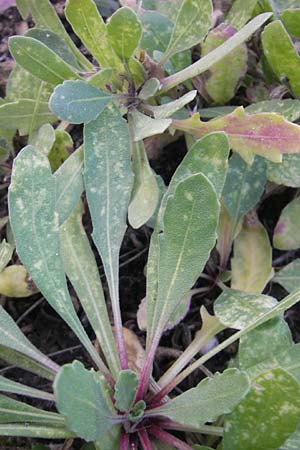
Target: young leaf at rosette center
(222,79)
(39,60)
(168,109)
(237,309)
(34,223)
(281,54)
(211,398)
(78,101)
(191,26)
(124,31)
(144,126)
(271,408)
(83,397)
(287,232)
(265,134)
(125,390)
(289,276)
(251,265)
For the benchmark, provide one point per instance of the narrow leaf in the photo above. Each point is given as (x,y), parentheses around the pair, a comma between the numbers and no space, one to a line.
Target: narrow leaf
(287,234)
(240,12)
(125,390)
(13,387)
(168,109)
(289,276)
(36,431)
(145,126)
(6,252)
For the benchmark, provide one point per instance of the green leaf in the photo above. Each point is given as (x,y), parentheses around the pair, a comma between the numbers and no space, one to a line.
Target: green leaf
(15,282)
(13,387)
(168,7)
(81,395)
(287,234)
(211,398)
(144,126)
(222,80)
(59,151)
(287,172)
(44,138)
(21,84)
(271,409)
(149,88)
(289,276)
(191,26)
(32,190)
(36,431)
(168,109)
(240,12)
(293,442)
(289,108)
(6,252)
(281,54)
(125,390)
(102,78)
(39,60)
(290,19)
(124,31)
(251,266)
(40,447)
(90,28)
(145,193)
(81,268)
(78,101)
(237,309)
(265,134)
(69,185)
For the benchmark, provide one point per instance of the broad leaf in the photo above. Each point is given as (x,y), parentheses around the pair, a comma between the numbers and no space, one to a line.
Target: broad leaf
(83,397)
(265,134)
(168,109)
(13,387)
(78,101)
(240,12)
(271,408)
(124,31)
(289,108)
(287,233)
(125,390)
(237,309)
(289,276)
(211,398)
(6,252)
(21,84)
(32,190)
(144,126)
(290,19)
(287,172)
(81,268)
(39,60)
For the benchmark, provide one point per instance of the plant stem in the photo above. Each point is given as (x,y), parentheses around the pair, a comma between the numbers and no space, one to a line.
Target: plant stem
(147,369)
(124,441)
(144,439)
(164,436)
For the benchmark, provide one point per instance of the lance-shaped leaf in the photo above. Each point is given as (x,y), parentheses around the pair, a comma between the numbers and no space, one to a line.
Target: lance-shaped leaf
(222,79)
(290,18)
(191,26)
(265,134)
(145,193)
(271,408)
(251,266)
(237,309)
(6,252)
(84,398)
(240,12)
(44,431)
(39,60)
(144,126)
(34,223)
(287,233)
(69,185)
(78,101)
(168,109)
(124,31)
(125,390)
(289,276)
(89,26)
(149,88)
(211,398)
(81,268)
(13,387)
(281,54)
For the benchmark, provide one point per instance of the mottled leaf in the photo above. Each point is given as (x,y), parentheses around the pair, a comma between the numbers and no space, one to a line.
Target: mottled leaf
(290,19)
(168,109)
(13,387)
(287,172)
(125,390)
(289,276)
(44,138)
(78,101)
(144,126)
(6,252)
(271,409)
(124,31)
(240,12)
(21,84)
(287,232)
(39,60)
(289,108)
(82,395)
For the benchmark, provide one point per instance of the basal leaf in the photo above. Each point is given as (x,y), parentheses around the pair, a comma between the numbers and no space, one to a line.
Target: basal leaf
(168,109)
(13,387)
(265,134)
(281,54)
(144,126)
(192,24)
(44,431)
(289,276)
(287,172)
(82,396)
(271,409)
(222,79)
(251,266)
(211,398)
(39,60)
(125,390)
(78,101)
(6,252)
(124,31)
(32,190)
(240,12)
(81,268)
(237,309)
(287,233)
(290,19)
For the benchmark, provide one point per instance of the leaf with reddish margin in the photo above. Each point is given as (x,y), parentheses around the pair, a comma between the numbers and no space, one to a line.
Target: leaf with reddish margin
(265,134)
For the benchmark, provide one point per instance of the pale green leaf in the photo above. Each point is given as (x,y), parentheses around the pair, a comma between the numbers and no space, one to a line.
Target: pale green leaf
(36,431)
(168,7)
(13,387)
(290,19)
(287,172)
(102,78)
(83,397)
(289,276)
(240,12)
(237,309)
(15,282)
(124,31)
(211,398)
(44,138)
(78,101)
(60,149)
(39,60)
(144,126)
(32,190)
(289,108)
(287,232)
(293,442)
(149,88)
(6,252)
(21,84)
(81,268)
(271,408)
(125,390)
(168,109)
